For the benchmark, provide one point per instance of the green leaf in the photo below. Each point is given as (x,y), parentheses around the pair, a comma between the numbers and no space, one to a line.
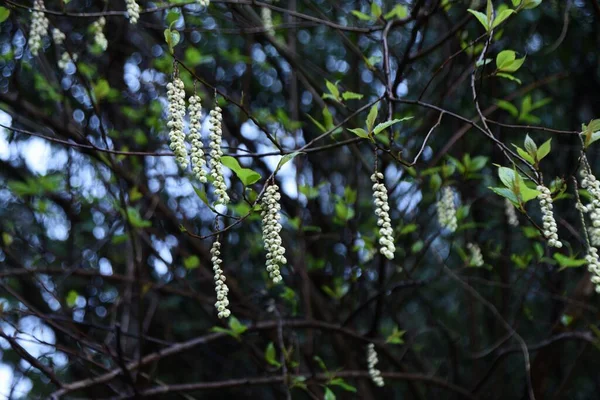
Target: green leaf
(509,107)
(544,149)
(341,383)
(399,11)
(489,12)
(516,3)
(375,10)
(317,123)
(505,58)
(477,163)
(481,17)
(507,177)
(568,262)
(101,89)
(246,175)
(136,219)
(4,14)
(371,118)
(288,157)
(72,298)
(396,337)
(508,76)
(530,146)
(360,15)
(501,17)
(506,193)
(335,92)
(408,229)
(329,395)
(191,262)
(382,126)
(236,326)
(171,38)
(270,355)
(201,193)
(525,155)
(360,132)
(529,4)
(352,96)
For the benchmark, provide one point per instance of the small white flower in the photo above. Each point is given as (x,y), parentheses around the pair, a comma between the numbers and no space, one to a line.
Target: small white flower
(65,59)
(203,3)
(176,96)
(372,361)
(58,36)
(98,30)
(270,231)
(476,258)
(267,20)
(39,27)
(446,211)
(198,161)
(549,223)
(511,213)
(592,185)
(221,288)
(133,9)
(216,137)
(386,233)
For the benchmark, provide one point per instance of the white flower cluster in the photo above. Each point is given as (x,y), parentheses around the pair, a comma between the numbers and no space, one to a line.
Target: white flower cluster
(446,211)
(476,258)
(98,30)
(197,153)
(39,27)
(594,267)
(372,361)
(386,233)
(511,213)
(267,20)
(133,9)
(203,3)
(220,286)
(592,185)
(58,36)
(270,230)
(216,136)
(176,96)
(549,224)
(65,59)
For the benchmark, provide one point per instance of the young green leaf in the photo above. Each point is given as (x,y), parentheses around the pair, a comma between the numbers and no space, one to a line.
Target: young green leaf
(508,107)
(352,96)
(375,10)
(4,14)
(270,355)
(246,175)
(360,132)
(329,395)
(335,92)
(501,17)
(371,118)
(286,158)
(481,17)
(544,150)
(508,76)
(382,126)
(360,15)
(530,146)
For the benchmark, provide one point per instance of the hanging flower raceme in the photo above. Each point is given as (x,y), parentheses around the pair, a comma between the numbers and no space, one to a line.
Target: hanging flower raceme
(476,258)
(65,58)
(267,20)
(176,96)
(549,223)
(511,213)
(386,233)
(133,9)
(446,210)
(221,288)
(39,27)
(197,153)
(372,361)
(58,36)
(594,267)
(98,31)
(592,185)
(216,136)
(270,231)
